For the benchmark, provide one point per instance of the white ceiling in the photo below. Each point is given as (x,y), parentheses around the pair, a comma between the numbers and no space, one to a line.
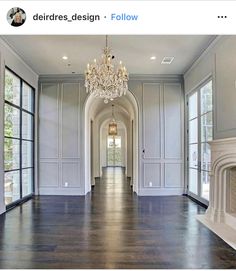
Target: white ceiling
(44,53)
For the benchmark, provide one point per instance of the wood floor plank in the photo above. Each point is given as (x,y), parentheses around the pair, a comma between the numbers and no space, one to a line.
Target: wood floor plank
(110,228)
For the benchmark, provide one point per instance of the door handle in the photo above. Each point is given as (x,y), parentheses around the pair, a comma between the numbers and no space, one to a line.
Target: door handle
(199,166)
(143,153)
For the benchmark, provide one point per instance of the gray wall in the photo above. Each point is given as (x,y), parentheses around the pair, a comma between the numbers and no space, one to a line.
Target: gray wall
(219,62)
(160,102)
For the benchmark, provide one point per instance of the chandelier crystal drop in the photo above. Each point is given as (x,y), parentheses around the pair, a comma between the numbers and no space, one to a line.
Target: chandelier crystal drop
(106,80)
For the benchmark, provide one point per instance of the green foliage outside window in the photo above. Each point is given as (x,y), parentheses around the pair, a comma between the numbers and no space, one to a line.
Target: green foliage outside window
(8,125)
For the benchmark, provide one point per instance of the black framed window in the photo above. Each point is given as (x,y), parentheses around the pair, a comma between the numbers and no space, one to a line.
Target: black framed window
(18,138)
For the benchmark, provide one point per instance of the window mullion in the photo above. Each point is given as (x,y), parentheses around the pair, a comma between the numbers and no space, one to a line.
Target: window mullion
(199,143)
(21,123)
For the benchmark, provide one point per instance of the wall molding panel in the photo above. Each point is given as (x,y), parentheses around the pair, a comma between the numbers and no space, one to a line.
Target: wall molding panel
(59,110)
(151,99)
(70,120)
(173,175)
(49,121)
(173,114)
(49,173)
(152,174)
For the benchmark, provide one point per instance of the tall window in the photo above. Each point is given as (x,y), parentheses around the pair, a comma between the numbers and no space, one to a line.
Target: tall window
(200,132)
(19,138)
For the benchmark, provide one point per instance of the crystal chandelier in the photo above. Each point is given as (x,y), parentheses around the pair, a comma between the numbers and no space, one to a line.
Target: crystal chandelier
(104,79)
(112,130)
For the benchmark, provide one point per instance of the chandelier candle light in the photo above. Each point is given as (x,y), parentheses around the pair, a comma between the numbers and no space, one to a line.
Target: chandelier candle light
(112,130)
(105,80)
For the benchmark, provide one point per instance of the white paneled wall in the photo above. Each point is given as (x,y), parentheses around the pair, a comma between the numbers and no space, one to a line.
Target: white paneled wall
(59,139)
(162,154)
(160,125)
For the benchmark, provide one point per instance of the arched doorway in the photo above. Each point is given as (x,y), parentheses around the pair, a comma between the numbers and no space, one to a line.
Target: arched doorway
(97,113)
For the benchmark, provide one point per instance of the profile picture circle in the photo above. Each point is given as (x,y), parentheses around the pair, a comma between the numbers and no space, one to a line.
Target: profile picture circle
(16,16)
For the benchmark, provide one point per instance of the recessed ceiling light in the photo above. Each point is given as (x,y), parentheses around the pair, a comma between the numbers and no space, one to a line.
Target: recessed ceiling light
(64,57)
(152,57)
(167,60)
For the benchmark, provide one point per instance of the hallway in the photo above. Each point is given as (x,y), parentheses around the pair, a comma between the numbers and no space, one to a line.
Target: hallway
(110,228)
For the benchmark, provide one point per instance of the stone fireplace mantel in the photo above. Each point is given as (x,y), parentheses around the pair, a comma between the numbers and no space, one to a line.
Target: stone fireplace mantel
(220,216)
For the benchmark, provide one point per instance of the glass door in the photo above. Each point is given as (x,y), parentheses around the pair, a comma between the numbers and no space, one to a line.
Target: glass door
(114,151)
(200,132)
(193,144)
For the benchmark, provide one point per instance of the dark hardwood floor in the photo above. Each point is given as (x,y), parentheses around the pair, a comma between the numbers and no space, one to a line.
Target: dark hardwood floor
(110,228)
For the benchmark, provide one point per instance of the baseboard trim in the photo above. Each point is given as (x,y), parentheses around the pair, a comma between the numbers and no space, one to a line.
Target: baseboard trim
(2,210)
(61,191)
(19,202)
(161,192)
(197,201)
